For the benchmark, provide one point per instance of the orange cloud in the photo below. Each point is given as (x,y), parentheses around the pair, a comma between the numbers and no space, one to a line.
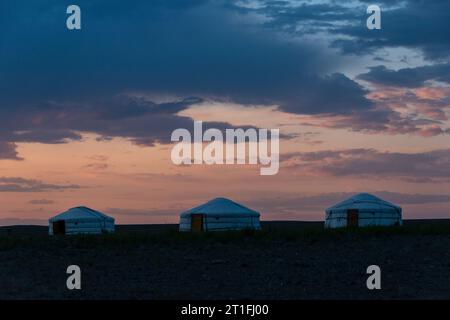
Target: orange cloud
(432,93)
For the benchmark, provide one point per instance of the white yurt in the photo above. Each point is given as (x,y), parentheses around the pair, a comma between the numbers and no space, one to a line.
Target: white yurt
(80,220)
(219,214)
(363,210)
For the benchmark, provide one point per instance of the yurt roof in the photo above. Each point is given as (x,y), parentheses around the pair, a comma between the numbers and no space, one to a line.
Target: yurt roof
(364,201)
(221,206)
(81,213)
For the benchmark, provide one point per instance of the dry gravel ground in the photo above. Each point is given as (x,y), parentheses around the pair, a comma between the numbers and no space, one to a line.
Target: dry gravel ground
(288,260)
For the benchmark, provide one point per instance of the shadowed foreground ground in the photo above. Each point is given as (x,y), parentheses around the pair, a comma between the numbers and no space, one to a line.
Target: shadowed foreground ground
(288,260)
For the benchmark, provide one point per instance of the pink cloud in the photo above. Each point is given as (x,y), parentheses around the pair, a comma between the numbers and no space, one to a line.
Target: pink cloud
(432,93)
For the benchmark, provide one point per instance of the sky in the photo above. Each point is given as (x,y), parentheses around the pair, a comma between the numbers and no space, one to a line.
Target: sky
(86,115)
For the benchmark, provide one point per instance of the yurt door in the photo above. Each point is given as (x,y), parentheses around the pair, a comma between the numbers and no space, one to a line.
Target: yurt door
(197,222)
(352,218)
(59,227)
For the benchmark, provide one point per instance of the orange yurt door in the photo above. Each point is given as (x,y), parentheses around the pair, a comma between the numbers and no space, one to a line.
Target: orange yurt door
(197,222)
(352,217)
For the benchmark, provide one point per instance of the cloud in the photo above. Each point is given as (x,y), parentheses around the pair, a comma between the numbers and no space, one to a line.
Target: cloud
(122,116)
(289,205)
(18,221)
(319,202)
(407,77)
(121,212)
(8,151)
(224,55)
(41,202)
(96,166)
(335,94)
(83,83)
(16,184)
(99,164)
(384,120)
(414,24)
(98,157)
(96,80)
(398,110)
(420,167)
(140,120)
(416,198)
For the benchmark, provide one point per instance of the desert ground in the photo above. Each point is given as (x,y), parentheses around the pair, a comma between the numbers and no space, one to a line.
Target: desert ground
(287,260)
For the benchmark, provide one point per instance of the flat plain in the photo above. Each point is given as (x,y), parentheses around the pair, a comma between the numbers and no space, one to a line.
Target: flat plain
(286,260)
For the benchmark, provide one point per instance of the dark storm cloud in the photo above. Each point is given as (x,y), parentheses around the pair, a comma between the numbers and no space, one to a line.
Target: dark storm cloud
(432,166)
(335,94)
(56,84)
(187,49)
(407,77)
(16,184)
(139,120)
(143,122)
(203,49)
(135,118)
